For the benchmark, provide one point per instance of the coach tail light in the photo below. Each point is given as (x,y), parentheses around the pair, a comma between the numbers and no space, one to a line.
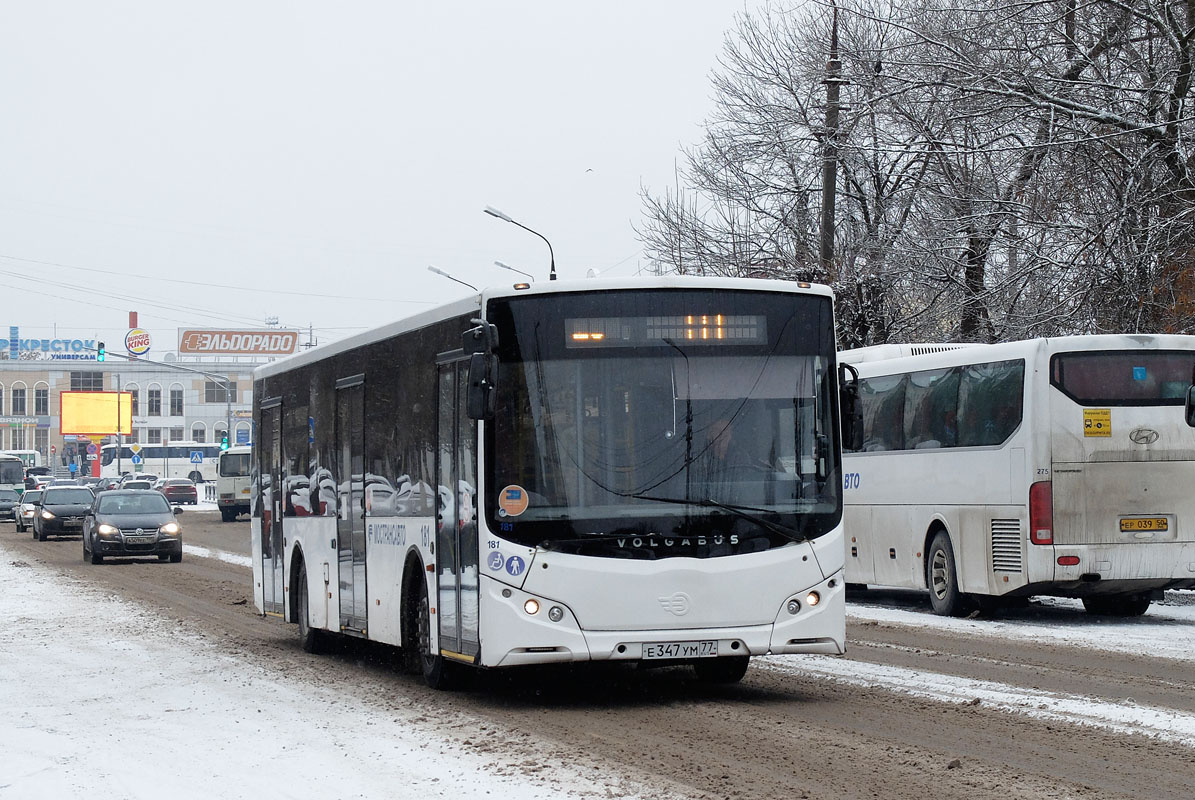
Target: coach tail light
(1041,513)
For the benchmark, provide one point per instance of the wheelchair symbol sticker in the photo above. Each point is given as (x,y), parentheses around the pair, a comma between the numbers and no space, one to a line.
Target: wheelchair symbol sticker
(515,565)
(496,561)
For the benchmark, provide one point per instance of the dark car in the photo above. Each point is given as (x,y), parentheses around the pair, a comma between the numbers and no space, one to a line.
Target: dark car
(132,522)
(178,490)
(9,501)
(61,511)
(28,508)
(105,484)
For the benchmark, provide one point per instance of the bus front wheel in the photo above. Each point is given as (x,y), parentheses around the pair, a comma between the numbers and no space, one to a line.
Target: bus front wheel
(437,673)
(312,639)
(942,579)
(723,669)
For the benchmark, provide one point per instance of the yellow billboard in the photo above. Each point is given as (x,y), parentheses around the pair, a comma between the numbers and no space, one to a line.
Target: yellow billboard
(97,412)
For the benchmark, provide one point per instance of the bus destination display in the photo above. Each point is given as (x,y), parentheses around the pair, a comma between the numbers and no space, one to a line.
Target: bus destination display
(712,329)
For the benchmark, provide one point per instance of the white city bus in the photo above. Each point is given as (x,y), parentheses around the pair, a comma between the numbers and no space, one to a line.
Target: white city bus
(1058,466)
(194,460)
(538,486)
(233,471)
(30,458)
(12,473)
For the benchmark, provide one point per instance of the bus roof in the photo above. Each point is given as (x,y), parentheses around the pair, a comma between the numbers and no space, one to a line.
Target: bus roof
(473,304)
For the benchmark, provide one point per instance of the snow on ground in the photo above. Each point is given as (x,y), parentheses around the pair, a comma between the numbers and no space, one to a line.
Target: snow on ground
(102,699)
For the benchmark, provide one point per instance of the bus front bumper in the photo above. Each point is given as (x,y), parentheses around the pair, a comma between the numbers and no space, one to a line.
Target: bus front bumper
(513,637)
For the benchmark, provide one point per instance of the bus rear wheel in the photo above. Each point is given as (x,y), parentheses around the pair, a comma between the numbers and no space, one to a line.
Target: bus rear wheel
(941,576)
(311,639)
(1117,605)
(228,514)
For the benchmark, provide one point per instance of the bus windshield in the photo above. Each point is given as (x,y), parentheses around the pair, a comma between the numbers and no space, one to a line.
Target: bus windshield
(716,434)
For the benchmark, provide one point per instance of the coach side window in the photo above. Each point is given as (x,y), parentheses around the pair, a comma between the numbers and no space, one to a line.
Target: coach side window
(883,412)
(990,402)
(931,403)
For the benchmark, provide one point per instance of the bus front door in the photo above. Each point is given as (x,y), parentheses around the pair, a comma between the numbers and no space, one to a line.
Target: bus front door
(350,503)
(270,496)
(456,518)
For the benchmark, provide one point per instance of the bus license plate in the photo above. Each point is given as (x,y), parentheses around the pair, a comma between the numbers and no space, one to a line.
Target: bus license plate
(704,649)
(1143,524)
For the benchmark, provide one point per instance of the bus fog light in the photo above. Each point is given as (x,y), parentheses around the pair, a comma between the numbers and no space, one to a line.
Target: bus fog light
(531,606)
(813,598)
(556,613)
(793,606)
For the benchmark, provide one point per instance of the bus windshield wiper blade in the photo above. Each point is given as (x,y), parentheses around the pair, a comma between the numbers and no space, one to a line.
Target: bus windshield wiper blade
(738,511)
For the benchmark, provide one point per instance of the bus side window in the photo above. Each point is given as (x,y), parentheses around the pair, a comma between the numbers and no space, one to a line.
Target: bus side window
(883,412)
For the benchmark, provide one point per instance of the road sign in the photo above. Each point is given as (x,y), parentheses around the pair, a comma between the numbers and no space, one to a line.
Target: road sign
(53,449)
(243,436)
(92,456)
(136,458)
(136,448)
(196,456)
(92,449)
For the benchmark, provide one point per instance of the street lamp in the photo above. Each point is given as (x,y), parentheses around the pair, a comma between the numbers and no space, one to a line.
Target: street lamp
(513,269)
(493,212)
(444,274)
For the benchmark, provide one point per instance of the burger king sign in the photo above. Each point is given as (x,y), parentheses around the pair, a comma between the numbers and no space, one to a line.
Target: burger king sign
(136,342)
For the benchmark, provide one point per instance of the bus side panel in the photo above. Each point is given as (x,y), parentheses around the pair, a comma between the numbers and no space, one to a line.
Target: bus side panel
(860,544)
(314,537)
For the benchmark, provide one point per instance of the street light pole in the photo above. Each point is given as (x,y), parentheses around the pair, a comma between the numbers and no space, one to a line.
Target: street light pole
(493,212)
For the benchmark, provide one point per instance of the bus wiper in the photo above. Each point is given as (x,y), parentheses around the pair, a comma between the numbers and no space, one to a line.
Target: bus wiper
(738,511)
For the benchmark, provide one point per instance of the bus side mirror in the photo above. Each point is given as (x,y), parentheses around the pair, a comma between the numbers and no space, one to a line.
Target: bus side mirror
(1189,411)
(483,372)
(481,339)
(850,407)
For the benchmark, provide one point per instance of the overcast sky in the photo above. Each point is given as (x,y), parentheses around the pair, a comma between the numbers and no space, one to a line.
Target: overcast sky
(329,150)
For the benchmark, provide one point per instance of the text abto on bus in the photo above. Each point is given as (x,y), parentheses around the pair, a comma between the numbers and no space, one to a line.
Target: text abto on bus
(659,480)
(1045,467)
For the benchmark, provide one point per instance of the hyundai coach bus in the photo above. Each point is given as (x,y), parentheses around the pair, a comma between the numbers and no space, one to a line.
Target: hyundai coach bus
(637,470)
(1059,466)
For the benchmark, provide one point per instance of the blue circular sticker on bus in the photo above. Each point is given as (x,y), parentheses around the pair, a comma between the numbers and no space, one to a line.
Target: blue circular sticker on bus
(515,565)
(495,561)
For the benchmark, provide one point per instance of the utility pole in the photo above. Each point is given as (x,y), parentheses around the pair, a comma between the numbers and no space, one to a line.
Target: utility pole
(830,158)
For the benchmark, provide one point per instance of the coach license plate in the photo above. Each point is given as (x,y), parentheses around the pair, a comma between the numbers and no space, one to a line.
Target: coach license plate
(660,650)
(139,539)
(1128,524)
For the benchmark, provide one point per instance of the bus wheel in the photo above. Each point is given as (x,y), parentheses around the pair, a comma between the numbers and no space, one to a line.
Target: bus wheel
(436,671)
(942,579)
(723,669)
(196,476)
(312,639)
(228,514)
(1117,605)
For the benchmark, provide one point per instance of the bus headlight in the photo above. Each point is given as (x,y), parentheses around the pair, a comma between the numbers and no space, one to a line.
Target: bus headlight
(812,599)
(531,606)
(170,528)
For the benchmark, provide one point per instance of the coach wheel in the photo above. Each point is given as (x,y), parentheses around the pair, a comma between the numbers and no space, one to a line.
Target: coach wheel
(196,476)
(942,578)
(723,669)
(1117,605)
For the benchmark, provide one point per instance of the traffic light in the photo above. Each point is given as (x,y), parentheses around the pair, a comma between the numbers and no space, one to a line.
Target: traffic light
(224,442)
(100,352)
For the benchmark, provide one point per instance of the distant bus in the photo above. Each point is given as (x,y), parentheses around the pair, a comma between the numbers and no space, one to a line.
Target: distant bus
(233,478)
(12,473)
(1059,466)
(30,458)
(643,470)
(173,460)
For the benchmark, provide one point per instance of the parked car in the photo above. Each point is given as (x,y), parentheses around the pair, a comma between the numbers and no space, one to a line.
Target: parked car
(178,490)
(61,511)
(105,484)
(28,507)
(138,476)
(88,480)
(132,522)
(9,500)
